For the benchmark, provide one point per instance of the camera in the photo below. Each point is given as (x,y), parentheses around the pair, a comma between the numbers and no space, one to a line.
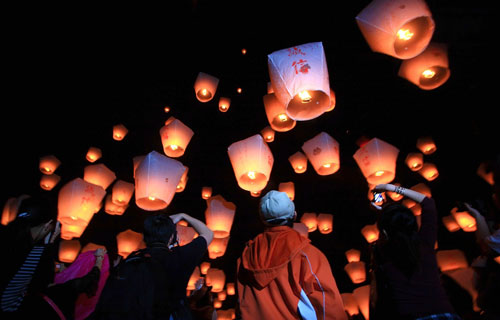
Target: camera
(377,197)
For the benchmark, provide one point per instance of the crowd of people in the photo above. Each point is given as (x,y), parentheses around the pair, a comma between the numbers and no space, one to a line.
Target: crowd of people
(280,273)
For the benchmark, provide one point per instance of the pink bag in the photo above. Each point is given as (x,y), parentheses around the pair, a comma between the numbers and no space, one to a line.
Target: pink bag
(84,305)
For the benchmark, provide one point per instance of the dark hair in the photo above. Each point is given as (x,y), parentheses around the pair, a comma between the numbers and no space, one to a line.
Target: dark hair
(399,240)
(158,228)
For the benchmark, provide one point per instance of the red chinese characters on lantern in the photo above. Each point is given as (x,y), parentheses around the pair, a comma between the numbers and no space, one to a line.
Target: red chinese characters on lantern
(301,66)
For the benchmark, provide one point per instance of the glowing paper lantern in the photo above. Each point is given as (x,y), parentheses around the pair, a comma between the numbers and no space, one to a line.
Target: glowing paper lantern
(204,266)
(10,209)
(429,69)
(464,220)
(217,303)
(298,160)
(356,271)
(224,104)
(99,174)
(323,153)
(230,289)
(299,76)
(48,182)
(350,304)
(222,295)
(301,228)
(216,278)
(156,180)
(68,250)
(112,208)
(252,162)
(450,224)
(394,195)
(414,161)
(217,247)
(70,231)
(310,220)
(175,137)
(325,223)
(268,134)
(77,202)
(93,154)
(119,132)
(49,164)
(377,161)
(205,86)
(128,241)
(92,247)
(402,29)
(219,216)
(122,192)
(206,192)
(353,255)
(195,276)
(370,232)
(333,101)
(429,171)
(426,145)
(185,234)
(288,188)
(276,114)
(362,297)
(451,259)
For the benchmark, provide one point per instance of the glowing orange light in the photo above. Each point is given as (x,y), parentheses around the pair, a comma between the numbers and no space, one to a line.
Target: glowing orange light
(405,34)
(46,169)
(223,107)
(283,117)
(300,167)
(269,138)
(327,165)
(251,174)
(204,92)
(243,51)
(239,90)
(174,147)
(428,74)
(166,109)
(151,198)
(379,173)
(305,96)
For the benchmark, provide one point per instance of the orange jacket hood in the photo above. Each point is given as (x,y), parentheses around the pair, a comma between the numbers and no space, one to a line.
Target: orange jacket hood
(264,256)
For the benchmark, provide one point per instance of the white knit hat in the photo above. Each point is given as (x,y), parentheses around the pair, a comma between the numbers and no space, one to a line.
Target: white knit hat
(275,206)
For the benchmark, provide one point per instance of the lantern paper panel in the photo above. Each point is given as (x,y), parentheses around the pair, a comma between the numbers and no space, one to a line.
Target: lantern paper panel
(99,174)
(255,194)
(206,192)
(78,201)
(323,153)
(119,132)
(182,183)
(137,161)
(300,80)
(217,304)
(252,161)
(463,218)
(175,137)
(219,216)
(216,278)
(350,304)
(353,255)
(276,114)
(325,223)
(48,182)
(429,70)
(269,87)
(426,145)
(205,86)
(122,192)
(485,173)
(185,234)
(268,134)
(362,297)
(70,231)
(333,101)
(414,161)
(401,29)
(128,241)
(10,208)
(356,271)
(377,161)
(224,104)
(288,188)
(301,228)
(298,160)
(230,289)
(450,224)
(310,219)
(93,154)
(429,171)
(112,208)
(49,164)
(69,250)
(195,276)
(222,295)
(204,266)
(370,232)
(92,247)
(451,259)
(156,179)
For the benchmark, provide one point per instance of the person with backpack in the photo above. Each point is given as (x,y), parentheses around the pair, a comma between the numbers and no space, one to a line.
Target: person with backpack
(151,282)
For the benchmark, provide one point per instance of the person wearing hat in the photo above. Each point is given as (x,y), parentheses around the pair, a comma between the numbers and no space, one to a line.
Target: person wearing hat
(280,274)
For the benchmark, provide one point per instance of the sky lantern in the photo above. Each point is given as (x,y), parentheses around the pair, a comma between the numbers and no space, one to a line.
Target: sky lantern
(224,104)
(70,231)
(486,174)
(426,145)
(92,247)
(301,228)
(10,208)
(122,192)
(429,171)
(128,241)
(298,160)
(402,29)
(182,183)
(463,218)
(230,289)
(362,297)
(217,248)
(350,304)
(206,192)
(450,224)
(216,278)
(414,161)
(175,137)
(93,154)
(217,304)
(429,70)
(112,208)
(195,276)
(77,202)
(353,255)
(299,76)
(68,250)
(276,114)
(99,174)
(49,164)
(219,216)
(288,188)
(204,266)
(333,101)
(252,162)
(186,234)
(325,223)
(205,87)
(356,271)
(451,259)
(377,161)
(268,134)
(323,153)
(222,295)
(156,180)
(48,182)
(119,132)
(394,195)
(370,232)
(310,220)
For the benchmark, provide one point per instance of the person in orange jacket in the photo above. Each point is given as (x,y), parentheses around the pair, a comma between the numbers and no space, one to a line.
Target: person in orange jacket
(281,275)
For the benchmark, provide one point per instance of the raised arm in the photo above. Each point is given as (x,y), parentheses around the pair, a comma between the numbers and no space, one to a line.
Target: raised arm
(411,194)
(198,225)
